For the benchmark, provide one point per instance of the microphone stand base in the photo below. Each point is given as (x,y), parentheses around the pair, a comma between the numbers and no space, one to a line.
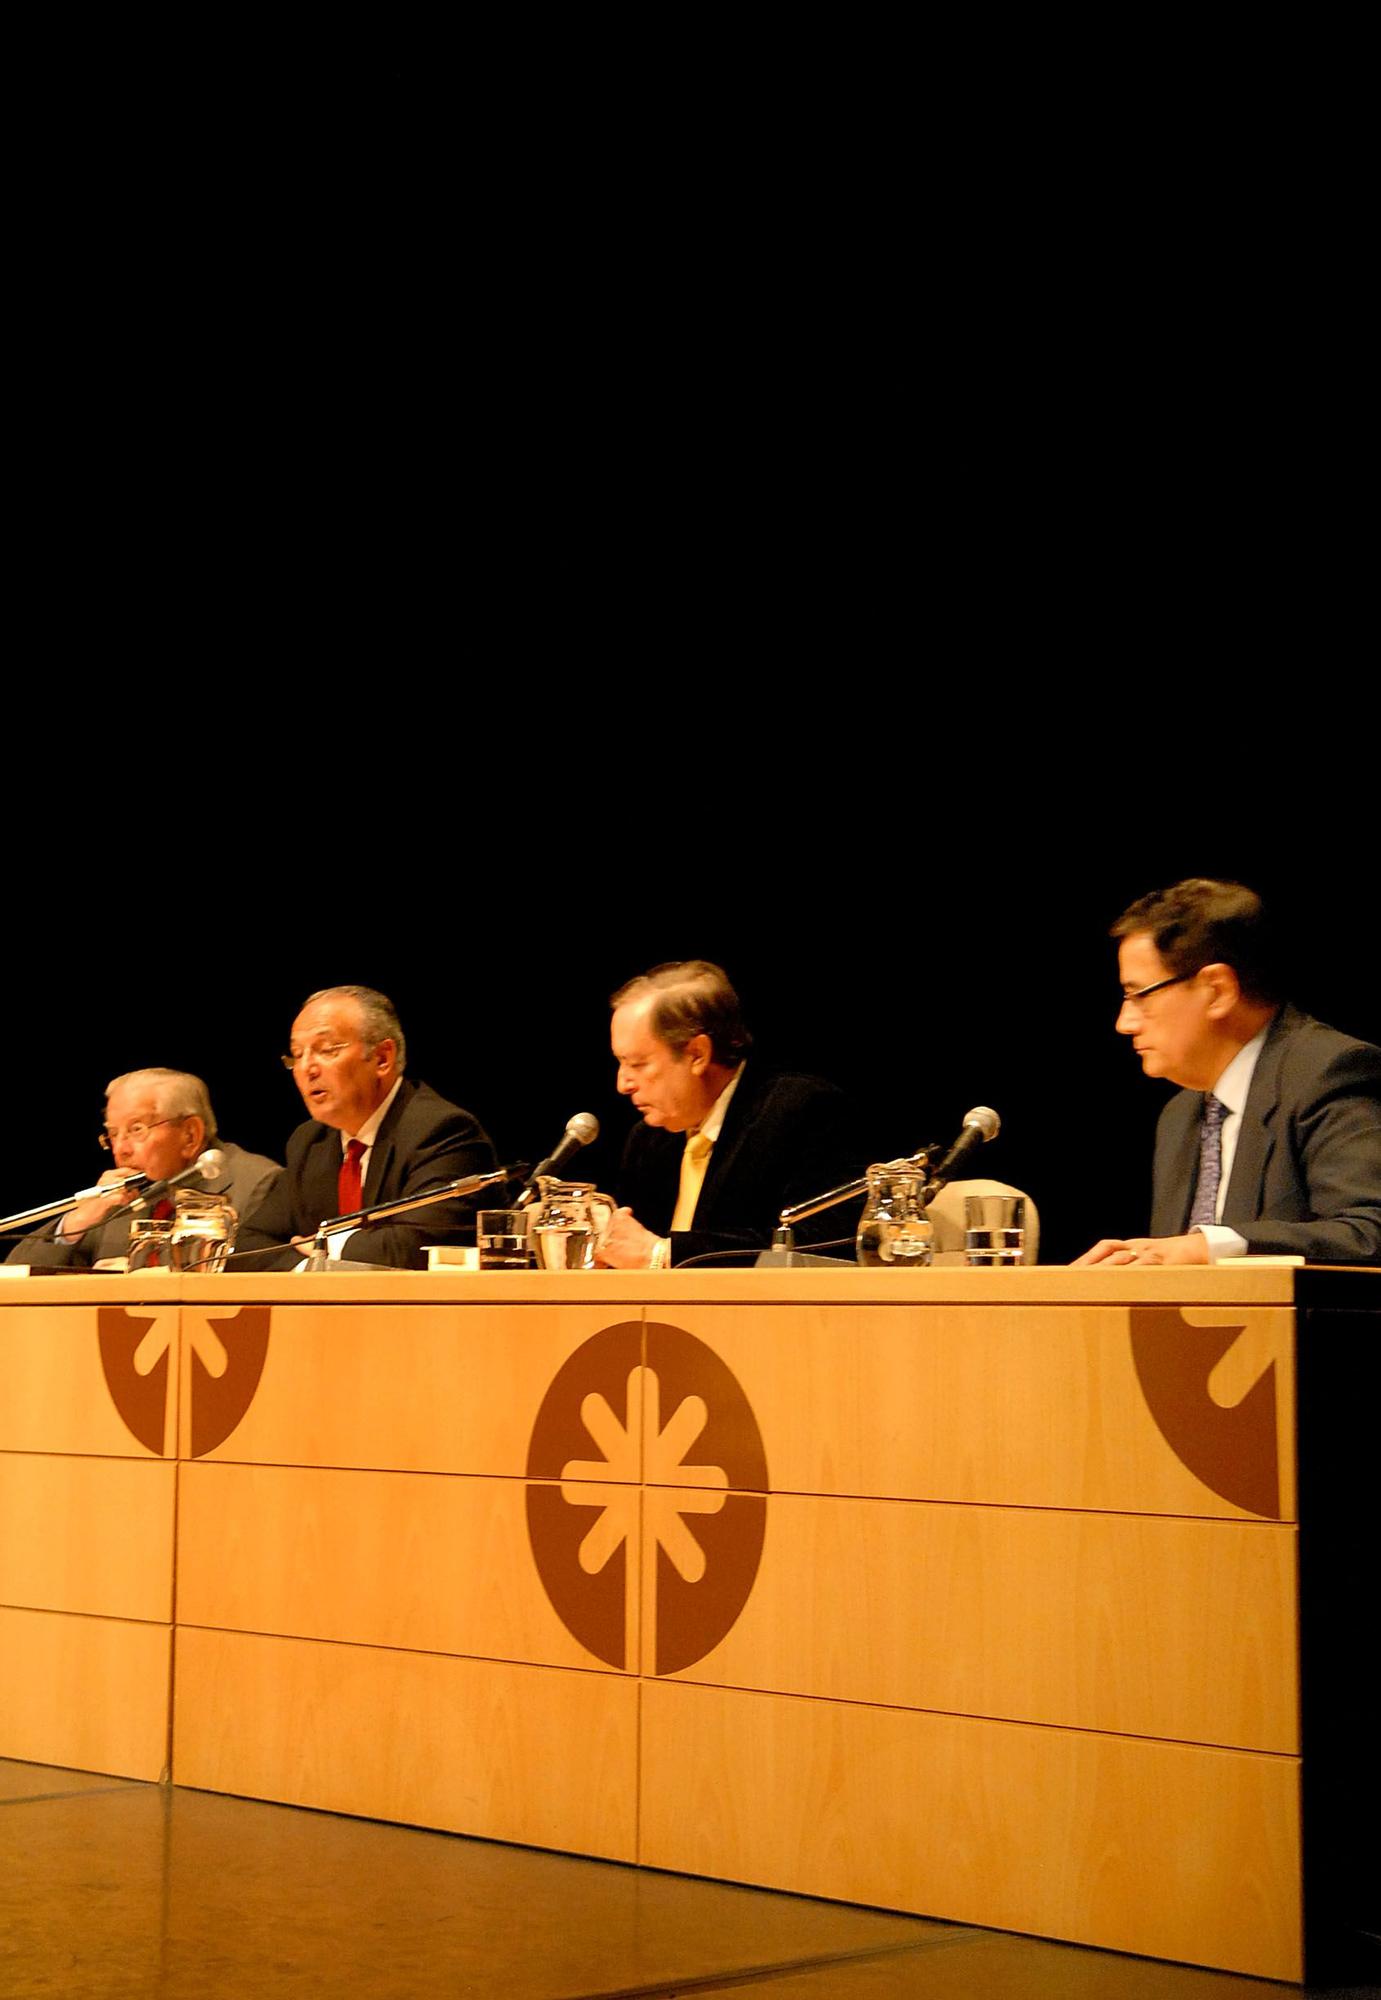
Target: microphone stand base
(799,1260)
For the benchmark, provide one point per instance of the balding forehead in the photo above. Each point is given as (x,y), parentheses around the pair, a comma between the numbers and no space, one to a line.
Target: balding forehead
(340,1013)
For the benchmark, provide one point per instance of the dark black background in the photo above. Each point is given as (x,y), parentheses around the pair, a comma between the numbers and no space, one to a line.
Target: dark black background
(929,940)
(481,558)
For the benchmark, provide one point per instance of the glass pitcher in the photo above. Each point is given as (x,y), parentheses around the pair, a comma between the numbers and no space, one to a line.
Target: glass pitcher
(203,1232)
(567,1223)
(894,1229)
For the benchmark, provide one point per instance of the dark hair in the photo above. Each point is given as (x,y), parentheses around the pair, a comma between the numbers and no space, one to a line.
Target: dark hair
(1201,922)
(692,997)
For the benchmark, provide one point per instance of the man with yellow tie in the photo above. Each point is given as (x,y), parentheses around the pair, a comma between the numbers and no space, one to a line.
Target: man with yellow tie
(724,1144)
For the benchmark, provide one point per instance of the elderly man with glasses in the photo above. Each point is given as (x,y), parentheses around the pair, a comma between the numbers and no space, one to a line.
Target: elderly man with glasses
(1272,1144)
(372,1136)
(157,1121)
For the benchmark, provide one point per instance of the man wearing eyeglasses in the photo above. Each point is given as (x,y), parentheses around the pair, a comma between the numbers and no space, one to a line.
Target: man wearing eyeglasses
(1273,1143)
(372,1136)
(157,1121)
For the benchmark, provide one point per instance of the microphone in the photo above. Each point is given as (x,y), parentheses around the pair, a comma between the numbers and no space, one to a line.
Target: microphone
(134,1183)
(581,1131)
(980,1125)
(205,1167)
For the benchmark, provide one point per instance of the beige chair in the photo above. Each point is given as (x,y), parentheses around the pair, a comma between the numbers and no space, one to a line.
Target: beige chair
(947,1214)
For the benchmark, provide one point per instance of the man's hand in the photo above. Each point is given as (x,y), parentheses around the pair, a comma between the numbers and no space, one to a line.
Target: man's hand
(90,1214)
(626,1245)
(1190,1249)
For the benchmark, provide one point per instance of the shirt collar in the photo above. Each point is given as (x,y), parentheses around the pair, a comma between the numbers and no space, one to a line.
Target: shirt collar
(369,1131)
(714,1123)
(1232,1086)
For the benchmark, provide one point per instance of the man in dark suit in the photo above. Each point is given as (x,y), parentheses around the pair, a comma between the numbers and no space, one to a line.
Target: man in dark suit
(157,1122)
(1273,1144)
(373,1136)
(724,1145)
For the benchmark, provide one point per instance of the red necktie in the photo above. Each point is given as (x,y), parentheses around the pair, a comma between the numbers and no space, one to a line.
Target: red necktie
(348,1193)
(160,1211)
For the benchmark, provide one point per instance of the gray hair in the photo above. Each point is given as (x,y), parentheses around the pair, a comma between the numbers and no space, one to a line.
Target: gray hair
(176,1092)
(378,1016)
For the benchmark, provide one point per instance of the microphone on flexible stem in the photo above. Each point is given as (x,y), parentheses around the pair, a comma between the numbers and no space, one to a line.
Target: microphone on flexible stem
(581,1131)
(206,1167)
(980,1125)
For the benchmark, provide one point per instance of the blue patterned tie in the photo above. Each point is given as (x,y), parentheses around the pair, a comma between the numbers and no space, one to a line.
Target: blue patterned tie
(1205,1209)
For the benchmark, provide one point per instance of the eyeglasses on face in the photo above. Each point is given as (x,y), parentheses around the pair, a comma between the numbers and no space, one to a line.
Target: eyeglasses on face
(325,1052)
(136,1132)
(1141,993)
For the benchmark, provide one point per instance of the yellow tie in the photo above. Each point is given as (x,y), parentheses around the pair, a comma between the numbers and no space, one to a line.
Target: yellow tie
(693,1163)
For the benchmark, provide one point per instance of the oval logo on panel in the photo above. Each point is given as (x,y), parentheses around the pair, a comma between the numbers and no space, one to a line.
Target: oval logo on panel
(226,1359)
(657,1457)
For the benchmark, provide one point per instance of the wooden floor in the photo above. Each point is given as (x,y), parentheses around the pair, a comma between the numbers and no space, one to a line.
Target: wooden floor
(112,1890)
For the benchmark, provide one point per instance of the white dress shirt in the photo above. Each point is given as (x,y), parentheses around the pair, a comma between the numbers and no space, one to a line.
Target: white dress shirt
(367,1134)
(1231,1092)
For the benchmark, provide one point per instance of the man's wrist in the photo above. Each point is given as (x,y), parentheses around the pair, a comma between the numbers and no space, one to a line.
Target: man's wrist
(1219,1241)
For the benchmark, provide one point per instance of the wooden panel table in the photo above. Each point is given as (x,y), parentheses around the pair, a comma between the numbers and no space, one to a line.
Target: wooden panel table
(86,1526)
(975,1594)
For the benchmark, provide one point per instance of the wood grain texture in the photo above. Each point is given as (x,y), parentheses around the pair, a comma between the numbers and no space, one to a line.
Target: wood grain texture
(87,1534)
(530,1754)
(53,1393)
(1172,1628)
(1038,1406)
(410,1560)
(88,1693)
(1160,1848)
(433,1389)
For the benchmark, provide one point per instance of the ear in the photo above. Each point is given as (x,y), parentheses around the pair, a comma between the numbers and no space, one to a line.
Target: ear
(194,1138)
(1224,989)
(699,1050)
(386,1054)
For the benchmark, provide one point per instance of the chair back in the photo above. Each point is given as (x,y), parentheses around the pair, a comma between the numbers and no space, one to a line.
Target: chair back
(947,1214)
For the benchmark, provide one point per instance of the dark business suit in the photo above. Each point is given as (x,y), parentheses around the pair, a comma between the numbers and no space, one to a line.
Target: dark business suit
(423,1141)
(1306,1175)
(785,1138)
(245,1179)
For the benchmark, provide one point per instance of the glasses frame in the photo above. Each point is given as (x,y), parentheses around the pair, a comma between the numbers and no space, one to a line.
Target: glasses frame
(330,1053)
(107,1144)
(1144,992)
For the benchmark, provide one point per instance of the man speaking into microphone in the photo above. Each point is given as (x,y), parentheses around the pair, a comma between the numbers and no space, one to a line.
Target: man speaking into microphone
(371,1136)
(725,1144)
(157,1122)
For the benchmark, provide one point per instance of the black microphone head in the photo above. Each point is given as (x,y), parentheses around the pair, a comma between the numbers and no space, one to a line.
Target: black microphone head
(985,1120)
(583,1128)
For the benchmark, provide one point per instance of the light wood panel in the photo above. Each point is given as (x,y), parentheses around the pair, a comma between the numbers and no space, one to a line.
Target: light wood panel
(430,1389)
(1254,1281)
(87,1534)
(53,1392)
(530,1754)
(90,1693)
(1174,1628)
(413,1560)
(1124,1843)
(1039,1406)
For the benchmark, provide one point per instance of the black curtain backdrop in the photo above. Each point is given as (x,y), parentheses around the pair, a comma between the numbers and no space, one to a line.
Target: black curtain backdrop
(484,569)
(927,944)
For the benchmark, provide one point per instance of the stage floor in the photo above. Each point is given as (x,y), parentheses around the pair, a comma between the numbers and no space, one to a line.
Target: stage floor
(121,1891)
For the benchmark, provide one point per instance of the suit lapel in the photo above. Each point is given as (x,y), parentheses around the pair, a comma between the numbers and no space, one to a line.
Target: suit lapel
(378,1181)
(320,1181)
(1256,1136)
(1176,1164)
(726,1146)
